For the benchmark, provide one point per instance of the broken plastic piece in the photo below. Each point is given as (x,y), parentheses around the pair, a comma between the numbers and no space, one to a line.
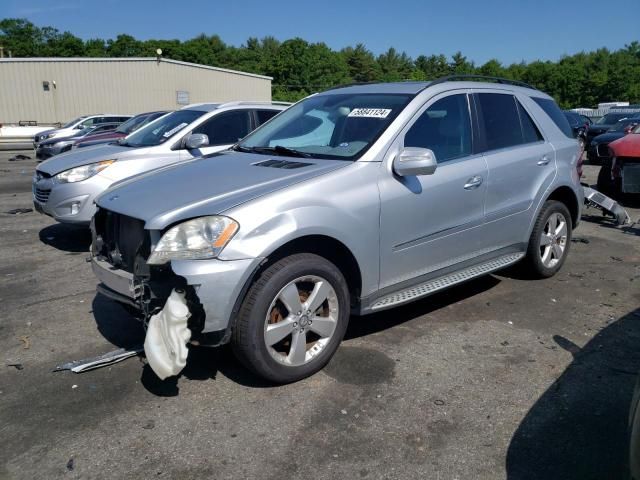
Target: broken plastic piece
(110,358)
(167,336)
(598,200)
(18,211)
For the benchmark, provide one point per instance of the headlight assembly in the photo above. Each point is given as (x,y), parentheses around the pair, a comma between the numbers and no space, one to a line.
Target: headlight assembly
(84,172)
(200,238)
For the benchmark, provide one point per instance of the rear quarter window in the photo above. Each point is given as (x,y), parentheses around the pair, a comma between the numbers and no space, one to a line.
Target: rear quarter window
(553,111)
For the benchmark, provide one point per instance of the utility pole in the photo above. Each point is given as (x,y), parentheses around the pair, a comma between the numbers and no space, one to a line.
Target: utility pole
(1,51)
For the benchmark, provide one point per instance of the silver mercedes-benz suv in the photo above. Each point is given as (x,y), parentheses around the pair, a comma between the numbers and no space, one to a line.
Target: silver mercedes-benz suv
(354,200)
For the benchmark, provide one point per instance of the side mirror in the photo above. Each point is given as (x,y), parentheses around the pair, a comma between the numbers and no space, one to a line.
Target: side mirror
(415,161)
(195,141)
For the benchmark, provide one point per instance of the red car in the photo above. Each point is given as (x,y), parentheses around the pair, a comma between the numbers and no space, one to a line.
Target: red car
(621,176)
(122,131)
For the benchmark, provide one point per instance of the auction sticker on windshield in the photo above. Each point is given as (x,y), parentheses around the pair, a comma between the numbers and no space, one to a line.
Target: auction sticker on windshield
(370,112)
(168,133)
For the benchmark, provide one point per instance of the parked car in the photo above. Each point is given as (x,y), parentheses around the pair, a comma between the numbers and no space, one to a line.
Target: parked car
(605,123)
(122,131)
(620,176)
(598,150)
(579,125)
(56,145)
(65,186)
(354,200)
(77,124)
(20,136)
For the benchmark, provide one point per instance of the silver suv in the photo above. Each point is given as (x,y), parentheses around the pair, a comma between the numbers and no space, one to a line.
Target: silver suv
(354,200)
(65,186)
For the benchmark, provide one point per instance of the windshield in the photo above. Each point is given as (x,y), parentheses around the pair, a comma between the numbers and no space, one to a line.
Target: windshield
(160,130)
(610,118)
(338,126)
(621,125)
(574,120)
(131,124)
(72,122)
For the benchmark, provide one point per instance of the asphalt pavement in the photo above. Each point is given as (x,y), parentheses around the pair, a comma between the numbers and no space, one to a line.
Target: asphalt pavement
(500,378)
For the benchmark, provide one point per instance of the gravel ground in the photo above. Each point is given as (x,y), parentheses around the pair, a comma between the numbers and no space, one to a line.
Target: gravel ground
(502,377)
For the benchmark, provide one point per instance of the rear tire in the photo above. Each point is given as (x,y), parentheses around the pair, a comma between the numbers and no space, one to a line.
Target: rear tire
(550,240)
(292,319)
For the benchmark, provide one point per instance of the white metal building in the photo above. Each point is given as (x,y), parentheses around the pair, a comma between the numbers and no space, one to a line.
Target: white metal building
(51,90)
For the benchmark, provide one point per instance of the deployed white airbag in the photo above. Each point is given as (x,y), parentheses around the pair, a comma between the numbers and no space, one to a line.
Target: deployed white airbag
(167,336)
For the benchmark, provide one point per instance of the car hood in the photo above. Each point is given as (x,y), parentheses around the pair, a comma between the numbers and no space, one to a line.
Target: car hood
(600,128)
(607,137)
(208,185)
(78,158)
(627,146)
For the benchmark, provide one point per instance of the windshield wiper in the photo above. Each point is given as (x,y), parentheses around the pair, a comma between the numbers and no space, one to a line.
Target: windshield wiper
(278,149)
(239,148)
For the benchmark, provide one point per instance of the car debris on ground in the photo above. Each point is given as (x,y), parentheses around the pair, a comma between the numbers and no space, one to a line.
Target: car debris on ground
(19,211)
(106,359)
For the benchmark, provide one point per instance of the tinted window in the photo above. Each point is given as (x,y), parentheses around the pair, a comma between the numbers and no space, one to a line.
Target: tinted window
(264,115)
(499,113)
(530,132)
(551,108)
(226,128)
(445,128)
(104,128)
(89,123)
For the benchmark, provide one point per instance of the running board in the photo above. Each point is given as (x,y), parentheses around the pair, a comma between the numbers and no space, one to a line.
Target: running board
(427,288)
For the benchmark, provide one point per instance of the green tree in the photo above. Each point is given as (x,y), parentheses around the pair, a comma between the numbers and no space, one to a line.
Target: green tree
(301,68)
(20,37)
(493,68)
(394,66)
(362,64)
(460,65)
(125,46)
(433,66)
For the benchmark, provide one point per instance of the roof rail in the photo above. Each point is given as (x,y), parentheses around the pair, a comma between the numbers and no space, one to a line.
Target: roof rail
(453,78)
(257,102)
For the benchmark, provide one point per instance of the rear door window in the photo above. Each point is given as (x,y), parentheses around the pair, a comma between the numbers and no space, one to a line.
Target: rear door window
(264,115)
(551,108)
(501,120)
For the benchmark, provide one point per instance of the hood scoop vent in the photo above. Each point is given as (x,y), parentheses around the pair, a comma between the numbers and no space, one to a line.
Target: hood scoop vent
(284,164)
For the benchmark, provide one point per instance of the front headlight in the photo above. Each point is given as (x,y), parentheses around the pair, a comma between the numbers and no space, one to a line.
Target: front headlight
(200,238)
(79,174)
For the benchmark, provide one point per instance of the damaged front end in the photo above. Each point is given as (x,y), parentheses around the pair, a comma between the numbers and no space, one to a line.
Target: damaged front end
(168,306)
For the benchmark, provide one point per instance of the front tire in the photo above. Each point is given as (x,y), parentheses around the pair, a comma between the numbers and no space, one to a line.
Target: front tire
(550,240)
(292,319)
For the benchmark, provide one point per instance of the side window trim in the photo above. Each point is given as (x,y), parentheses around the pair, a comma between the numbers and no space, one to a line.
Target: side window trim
(521,108)
(472,120)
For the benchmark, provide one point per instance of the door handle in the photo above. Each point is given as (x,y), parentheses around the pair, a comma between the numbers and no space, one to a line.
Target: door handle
(473,182)
(544,161)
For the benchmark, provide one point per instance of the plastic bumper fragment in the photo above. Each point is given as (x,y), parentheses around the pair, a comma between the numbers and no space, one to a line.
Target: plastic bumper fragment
(167,336)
